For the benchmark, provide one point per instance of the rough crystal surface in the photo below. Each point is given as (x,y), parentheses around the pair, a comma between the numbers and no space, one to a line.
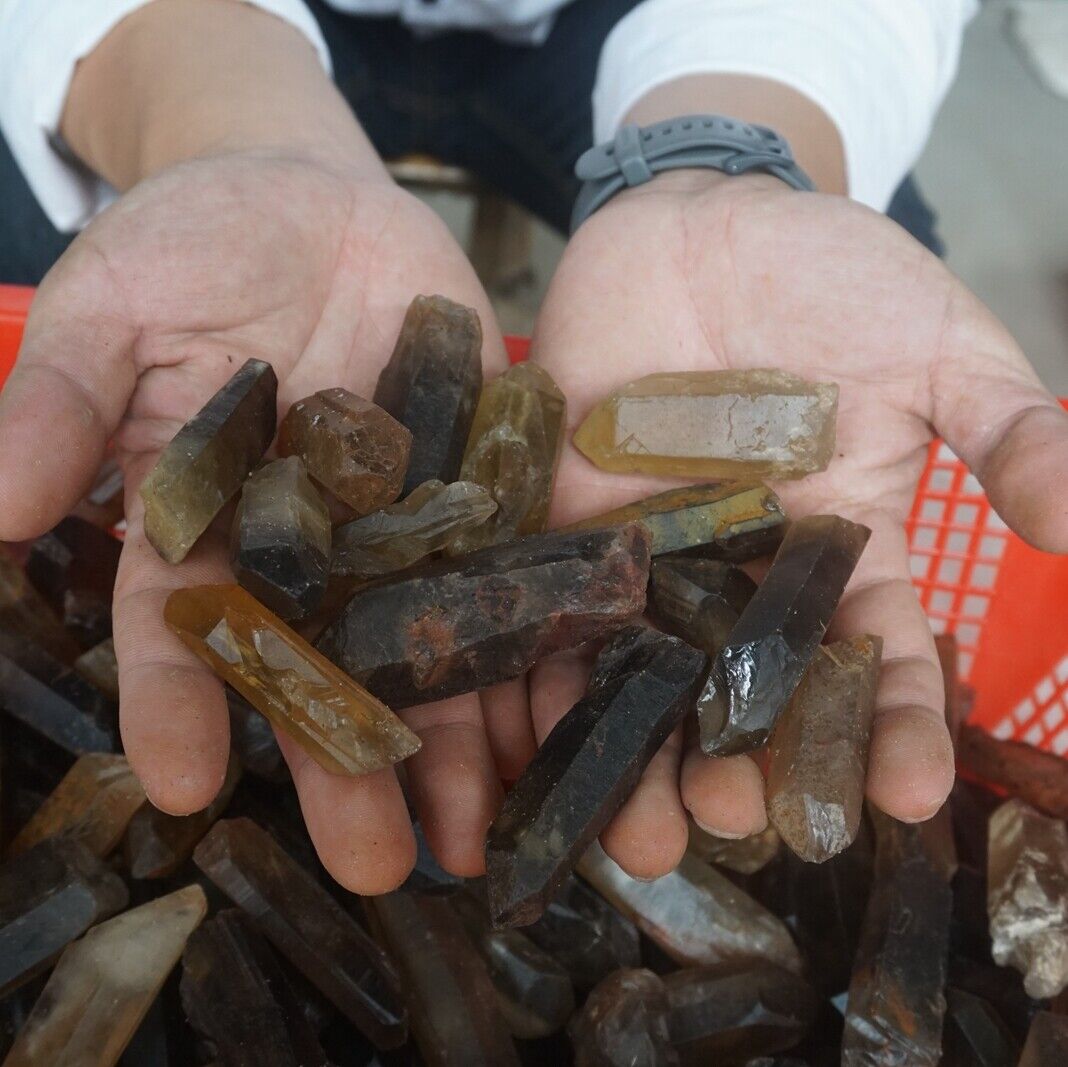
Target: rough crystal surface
(1027,896)
(306,925)
(431,385)
(340,725)
(105,983)
(208,459)
(818,762)
(585,934)
(512,451)
(50,895)
(759,668)
(92,804)
(624,1023)
(731,1011)
(586,768)
(1047,1041)
(694,913)
(24,612)
(724,520)
(280,544)
(454,1015)
(425,521)
(714,424)
(99,666)
(157,844)
(1040,778)
(744,855)
(237,998)
(698,600)
(456,626)
(351,446)
(896,1001)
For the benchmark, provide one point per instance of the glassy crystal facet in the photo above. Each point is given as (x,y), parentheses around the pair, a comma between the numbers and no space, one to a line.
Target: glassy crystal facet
(306,925)
(456,626)
(512,451)
(759,668)
(819,750)
(208,459)
(586,768)
(431,385)
(340,725)
(1027,896)
(714,424)
(351,446)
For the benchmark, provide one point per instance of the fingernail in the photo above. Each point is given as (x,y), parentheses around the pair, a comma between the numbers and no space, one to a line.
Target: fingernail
(716,831)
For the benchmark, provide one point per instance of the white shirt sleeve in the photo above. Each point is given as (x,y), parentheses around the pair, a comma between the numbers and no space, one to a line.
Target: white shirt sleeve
(879,68)
(41,42)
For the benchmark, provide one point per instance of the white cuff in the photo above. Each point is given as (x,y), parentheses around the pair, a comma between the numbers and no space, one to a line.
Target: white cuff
(41,41)
(878,68)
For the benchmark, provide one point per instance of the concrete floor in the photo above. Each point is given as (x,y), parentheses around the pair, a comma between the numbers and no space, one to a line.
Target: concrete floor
(995,170)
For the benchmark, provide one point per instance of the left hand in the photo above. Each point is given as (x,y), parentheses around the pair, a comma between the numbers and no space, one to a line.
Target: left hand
(697,272)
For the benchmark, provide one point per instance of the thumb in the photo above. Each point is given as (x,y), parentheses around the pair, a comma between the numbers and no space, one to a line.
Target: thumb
(70,386)
(1011,432)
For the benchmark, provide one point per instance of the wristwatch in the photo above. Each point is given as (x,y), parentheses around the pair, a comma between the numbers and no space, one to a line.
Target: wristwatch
(637,153)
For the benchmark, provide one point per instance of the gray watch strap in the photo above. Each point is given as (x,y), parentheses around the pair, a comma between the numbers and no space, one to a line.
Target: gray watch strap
(637,153)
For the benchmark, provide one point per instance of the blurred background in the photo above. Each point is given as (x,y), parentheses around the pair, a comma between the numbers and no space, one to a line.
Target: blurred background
(995,171)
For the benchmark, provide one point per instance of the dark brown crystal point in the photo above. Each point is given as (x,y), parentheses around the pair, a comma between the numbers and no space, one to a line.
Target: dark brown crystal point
(456,626)
(585,934)
(745,855)
(1040,778)
(733,1011)
(351,446)
(759,668)
(698,600)
(723,520)
(1047,1041)
(237,998)
(624,1023)
(896,999)
(454,1014)
(49,896)
(431,385)
(306,925)
(25,614)
(586,768)
(208,459)
(818,761)
(280,544)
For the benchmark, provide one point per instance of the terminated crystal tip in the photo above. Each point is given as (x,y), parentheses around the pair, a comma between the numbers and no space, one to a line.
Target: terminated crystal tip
(208,460)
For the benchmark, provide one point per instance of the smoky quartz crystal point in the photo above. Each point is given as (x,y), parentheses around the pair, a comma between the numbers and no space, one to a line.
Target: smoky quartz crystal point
(26,615)
(459,625)
(340,725)
(513,451)
(1027,896)
(818,762)
(349,445)
(714,424)
(586,768)
(723,520)
(431,385)
(306,925)
(209,459)
(768,651)
(280,544)
(100,666)
(744,855)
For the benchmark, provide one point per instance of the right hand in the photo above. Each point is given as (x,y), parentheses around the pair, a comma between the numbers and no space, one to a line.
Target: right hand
(155,305)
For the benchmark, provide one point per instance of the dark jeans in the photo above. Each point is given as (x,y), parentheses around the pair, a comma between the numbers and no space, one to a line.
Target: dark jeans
(517,116)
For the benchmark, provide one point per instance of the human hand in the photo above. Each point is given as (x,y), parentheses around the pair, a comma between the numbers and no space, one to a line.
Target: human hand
(261,254)
(698,272)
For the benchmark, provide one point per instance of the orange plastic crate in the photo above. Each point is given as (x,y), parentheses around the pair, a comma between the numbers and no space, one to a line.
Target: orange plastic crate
(1005,601)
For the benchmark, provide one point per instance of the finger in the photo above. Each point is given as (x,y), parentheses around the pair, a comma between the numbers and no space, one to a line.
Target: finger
(506,714)
(453,781)
(724,794)
(994,413)
(647,837)
(69,389)
(910,768)
(359,826)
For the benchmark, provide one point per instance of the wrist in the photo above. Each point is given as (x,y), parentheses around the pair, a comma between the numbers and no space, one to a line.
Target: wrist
(188,79)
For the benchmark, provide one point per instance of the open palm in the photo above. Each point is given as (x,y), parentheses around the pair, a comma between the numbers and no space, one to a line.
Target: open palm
(154,306)
(707,274)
